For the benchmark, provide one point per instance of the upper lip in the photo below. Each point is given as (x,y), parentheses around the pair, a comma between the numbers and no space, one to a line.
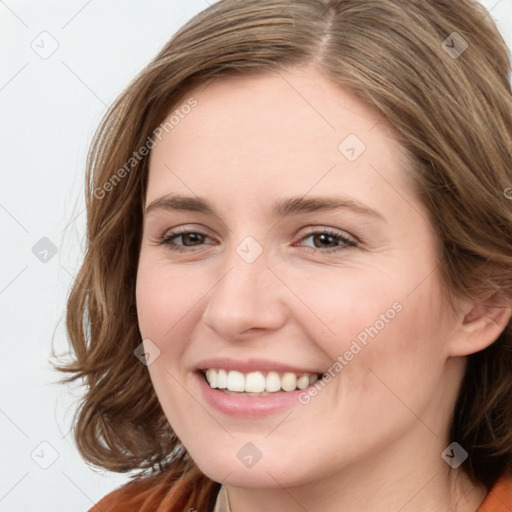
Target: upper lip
(252,365)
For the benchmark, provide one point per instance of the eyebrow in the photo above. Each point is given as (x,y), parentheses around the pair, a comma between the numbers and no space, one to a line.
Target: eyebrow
(283,208)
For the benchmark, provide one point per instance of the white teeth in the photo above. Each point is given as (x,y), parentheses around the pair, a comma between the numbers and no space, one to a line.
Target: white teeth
(289,382)
(236,381)
(257,383)
(211,376)
(222,379)
(273,382)
(254,382)
(303,382)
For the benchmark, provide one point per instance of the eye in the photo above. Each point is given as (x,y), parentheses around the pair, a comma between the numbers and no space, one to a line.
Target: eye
(188,239)
(325,240)
(328,240)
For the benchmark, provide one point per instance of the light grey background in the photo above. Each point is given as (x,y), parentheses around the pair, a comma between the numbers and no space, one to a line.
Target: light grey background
(50,108)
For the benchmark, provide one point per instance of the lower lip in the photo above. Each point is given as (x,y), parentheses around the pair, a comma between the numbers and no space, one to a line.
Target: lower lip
(248,406)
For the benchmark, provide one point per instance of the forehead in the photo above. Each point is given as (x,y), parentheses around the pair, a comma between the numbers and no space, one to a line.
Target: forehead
(270,132)
(270,102)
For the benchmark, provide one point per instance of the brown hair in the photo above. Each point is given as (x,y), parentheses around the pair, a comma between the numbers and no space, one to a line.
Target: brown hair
(452,115)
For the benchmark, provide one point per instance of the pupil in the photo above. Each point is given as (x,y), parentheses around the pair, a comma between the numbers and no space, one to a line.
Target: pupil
(191,237)
(324,238)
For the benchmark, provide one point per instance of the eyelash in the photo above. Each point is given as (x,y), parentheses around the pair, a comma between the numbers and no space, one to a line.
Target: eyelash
(168,238)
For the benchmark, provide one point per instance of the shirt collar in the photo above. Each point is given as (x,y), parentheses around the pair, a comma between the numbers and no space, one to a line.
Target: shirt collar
(222,503)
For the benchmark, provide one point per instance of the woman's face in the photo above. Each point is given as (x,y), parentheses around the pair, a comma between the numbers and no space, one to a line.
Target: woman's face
(295,245)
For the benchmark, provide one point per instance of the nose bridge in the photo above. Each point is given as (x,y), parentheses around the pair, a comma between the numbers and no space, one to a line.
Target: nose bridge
(248,294)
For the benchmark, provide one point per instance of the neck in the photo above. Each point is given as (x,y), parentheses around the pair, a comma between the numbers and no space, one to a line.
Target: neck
(394,479)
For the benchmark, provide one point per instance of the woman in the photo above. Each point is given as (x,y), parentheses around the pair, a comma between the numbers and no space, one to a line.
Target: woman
(297,290)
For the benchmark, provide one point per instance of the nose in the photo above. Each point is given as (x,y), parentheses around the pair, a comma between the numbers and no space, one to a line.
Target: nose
(248,299)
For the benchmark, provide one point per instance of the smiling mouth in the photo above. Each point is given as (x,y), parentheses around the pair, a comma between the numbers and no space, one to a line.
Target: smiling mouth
(257,383)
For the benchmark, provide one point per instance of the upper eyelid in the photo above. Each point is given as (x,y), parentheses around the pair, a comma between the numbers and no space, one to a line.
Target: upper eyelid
(314,228)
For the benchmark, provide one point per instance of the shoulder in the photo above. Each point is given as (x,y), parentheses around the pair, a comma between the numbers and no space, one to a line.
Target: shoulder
(131,496)
(499,498)
(167,491)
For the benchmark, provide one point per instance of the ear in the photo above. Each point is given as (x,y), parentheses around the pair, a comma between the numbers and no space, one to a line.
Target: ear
(480,324)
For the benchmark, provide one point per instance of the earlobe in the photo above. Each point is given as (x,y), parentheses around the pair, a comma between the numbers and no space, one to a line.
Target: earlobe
(482,325)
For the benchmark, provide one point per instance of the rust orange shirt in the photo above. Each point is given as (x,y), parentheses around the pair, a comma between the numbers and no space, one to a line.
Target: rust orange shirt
(499,498)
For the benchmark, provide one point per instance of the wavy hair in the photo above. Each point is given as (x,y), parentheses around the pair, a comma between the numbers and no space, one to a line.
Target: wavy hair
(453,116)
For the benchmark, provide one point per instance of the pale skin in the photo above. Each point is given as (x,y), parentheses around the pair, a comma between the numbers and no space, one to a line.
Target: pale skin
(373,438)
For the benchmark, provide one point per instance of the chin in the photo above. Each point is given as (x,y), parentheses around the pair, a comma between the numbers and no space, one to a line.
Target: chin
(230,471)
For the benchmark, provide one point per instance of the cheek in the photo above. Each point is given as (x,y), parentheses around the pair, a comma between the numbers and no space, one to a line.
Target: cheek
(374,323)
(165,298)
(352,308)
(402,363)
(165,303)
